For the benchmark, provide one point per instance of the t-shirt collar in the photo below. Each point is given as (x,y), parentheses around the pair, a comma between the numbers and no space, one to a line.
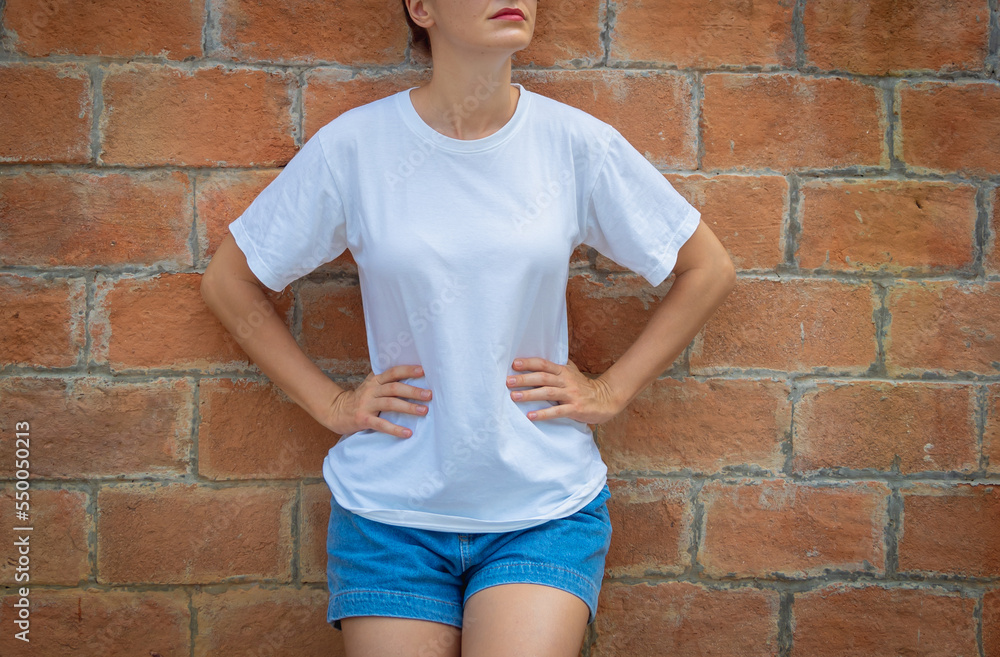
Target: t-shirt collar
(409,114)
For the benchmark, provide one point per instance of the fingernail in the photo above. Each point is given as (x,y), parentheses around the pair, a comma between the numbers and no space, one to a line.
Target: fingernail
(517,363)
(511,380)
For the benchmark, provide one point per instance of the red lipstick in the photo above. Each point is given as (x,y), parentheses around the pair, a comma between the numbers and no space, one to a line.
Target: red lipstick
(509,14)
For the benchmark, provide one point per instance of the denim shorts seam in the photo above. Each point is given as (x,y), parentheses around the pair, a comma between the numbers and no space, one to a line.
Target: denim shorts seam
(395,593)
(534,564)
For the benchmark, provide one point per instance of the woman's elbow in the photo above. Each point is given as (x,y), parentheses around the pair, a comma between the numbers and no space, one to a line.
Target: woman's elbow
(207,286)
(212,282)
(227,265)
(727,272)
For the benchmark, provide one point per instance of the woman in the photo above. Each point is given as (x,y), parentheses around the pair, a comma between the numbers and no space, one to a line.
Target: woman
(467,491)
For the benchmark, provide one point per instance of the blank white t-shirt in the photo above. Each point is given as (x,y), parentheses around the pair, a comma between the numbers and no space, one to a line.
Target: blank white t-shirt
(463,250)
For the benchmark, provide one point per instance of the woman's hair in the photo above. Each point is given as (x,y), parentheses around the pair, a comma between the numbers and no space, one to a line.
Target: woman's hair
(418,35)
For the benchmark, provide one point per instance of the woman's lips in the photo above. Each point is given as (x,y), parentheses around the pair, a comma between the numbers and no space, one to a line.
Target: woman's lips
(509,14)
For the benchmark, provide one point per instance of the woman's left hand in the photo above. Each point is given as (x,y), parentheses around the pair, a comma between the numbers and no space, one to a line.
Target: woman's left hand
(580,398)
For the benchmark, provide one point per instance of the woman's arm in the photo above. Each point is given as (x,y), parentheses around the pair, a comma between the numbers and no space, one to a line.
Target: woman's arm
(237,298)
(704,277)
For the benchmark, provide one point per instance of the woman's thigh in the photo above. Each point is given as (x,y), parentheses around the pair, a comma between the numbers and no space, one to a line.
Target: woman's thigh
(380,570)
(402,591)
(533,591)
(566,553)
(524,619)
(375,636)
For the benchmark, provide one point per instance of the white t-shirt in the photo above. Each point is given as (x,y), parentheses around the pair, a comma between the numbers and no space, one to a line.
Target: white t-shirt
(463,250)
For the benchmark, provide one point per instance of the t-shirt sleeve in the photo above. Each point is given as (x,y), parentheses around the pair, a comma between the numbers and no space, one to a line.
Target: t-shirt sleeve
(634,215)
(297,223)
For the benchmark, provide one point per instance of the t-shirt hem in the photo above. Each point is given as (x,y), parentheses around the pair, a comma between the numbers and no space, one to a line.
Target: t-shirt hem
(254,261)
(684,232)
(439,522)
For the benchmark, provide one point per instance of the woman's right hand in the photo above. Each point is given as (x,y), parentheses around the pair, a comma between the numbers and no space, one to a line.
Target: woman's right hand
(358,409)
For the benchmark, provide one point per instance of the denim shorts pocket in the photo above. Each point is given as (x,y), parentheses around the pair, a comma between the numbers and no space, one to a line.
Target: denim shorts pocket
(598,508)
(600,500)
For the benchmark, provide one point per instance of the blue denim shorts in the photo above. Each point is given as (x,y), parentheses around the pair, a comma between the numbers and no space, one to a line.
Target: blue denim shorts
(378,569)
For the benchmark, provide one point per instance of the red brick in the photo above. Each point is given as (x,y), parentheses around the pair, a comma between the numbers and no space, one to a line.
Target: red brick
(43,320)
(331,92)
(758,529)
(605,318)
(256,621)
(943,326)
(193,534)
(221,197)
(991,259)
(314,523)
(57,540)
(87,220)
(904,427)
(163,322)
(357,34)
(844,619)
(788,122)
(682,619)
(47,112)
(684,34)
(252,430)
(652,521)
(951,529)
(890,225)
(991,432)
(884,37)
(581,256)
(695,426)
(566,34)
(333,327)
(991,623)
(653,110)
(111,28)
(97,427)
(948,128)
(81,623)
(789,325)
(160,115)
(745,214)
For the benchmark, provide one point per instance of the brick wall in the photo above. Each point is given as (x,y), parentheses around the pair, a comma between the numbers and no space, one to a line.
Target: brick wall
(816,474)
